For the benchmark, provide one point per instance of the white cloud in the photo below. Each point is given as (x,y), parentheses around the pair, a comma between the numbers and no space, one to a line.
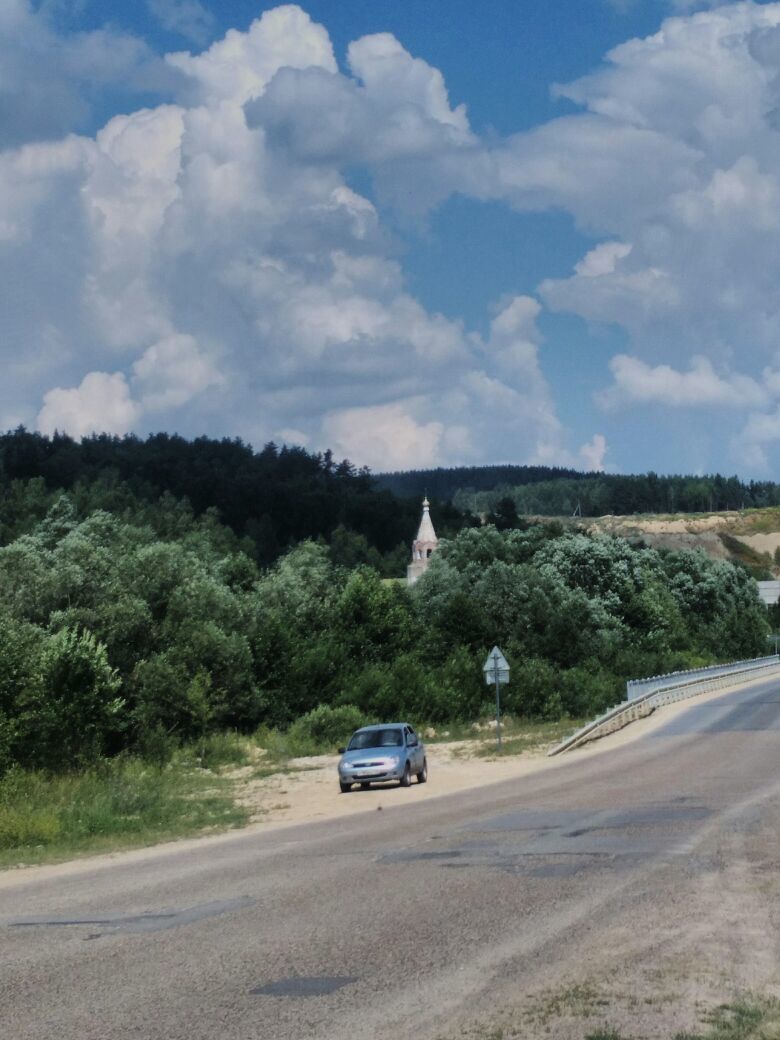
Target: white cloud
(172,372)
(239,67)
(101,403)
(188,18)
(636,382)
(50,81)
(384,437)
(593,453)
(212,252)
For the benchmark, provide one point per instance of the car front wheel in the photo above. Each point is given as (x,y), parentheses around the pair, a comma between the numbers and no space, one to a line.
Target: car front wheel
(406,779)
(344,787)
(422,776)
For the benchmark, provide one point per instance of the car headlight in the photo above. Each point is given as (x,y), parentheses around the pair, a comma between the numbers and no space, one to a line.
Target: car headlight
(393,760)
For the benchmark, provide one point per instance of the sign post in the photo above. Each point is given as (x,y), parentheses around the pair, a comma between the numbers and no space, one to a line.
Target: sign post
(496,671)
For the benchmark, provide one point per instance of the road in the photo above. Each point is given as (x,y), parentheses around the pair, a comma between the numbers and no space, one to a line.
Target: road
(633,887)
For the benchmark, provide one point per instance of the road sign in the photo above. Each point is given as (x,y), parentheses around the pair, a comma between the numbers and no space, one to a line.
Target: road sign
(496,667)
(496,670)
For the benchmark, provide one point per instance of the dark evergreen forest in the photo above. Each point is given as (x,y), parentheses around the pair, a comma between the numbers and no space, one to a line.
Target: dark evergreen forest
(272,499)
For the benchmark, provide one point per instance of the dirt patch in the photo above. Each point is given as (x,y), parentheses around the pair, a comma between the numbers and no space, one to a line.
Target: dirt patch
(307,788)
(763,543)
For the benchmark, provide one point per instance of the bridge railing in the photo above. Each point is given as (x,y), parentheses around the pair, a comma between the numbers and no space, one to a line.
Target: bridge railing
(667,689)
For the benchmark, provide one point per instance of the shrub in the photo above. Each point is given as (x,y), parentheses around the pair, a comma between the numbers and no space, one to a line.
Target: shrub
(70,713)
(534,690)
(222,749)
(324,729)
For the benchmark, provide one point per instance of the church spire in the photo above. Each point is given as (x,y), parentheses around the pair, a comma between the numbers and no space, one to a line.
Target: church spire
(424,546)
(426,532)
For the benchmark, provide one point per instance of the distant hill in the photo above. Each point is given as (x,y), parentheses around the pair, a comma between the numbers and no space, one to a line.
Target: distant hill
(548,491)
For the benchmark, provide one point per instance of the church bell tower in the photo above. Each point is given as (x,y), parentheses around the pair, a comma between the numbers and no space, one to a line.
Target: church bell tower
(423,547)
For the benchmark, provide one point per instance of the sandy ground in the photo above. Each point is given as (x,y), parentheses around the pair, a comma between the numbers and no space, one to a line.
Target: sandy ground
(763,543)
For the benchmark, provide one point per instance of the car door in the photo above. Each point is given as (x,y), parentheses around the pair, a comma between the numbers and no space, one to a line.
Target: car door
(415,750)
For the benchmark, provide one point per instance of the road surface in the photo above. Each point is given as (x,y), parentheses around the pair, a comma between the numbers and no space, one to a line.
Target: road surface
(632,888)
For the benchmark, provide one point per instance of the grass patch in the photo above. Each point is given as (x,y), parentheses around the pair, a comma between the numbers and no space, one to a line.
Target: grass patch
(519,737)
(218,750)
(747,1019)
(120,803)
(759,564)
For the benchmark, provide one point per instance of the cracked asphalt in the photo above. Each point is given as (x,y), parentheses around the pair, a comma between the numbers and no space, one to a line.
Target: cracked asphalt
(645,876)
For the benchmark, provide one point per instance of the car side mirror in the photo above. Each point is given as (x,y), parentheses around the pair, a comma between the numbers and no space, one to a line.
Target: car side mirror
(341,750)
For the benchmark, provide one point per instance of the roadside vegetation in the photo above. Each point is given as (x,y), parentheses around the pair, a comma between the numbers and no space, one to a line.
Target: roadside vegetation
(750,1019)
(747,1018)
(144,641)
(114,804)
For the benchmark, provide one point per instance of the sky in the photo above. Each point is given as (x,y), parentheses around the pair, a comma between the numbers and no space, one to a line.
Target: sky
(419,234)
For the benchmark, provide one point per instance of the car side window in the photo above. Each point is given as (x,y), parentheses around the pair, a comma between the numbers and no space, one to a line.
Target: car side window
(411,738)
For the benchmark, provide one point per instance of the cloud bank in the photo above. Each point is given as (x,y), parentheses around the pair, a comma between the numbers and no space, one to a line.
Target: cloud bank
(207,263)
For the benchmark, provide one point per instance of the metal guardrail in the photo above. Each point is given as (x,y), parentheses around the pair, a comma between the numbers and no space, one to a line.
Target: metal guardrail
(636,687)
(675,690)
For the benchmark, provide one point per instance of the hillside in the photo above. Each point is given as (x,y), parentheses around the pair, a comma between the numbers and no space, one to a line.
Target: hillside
(546,491)
(750,536)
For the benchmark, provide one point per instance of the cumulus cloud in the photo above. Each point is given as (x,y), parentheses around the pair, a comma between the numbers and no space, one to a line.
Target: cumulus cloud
(100,404)
(50,81)
(172,372)
(593,453)
(636,382)
(206,271)
(384,436)
(212,251)
(239,67)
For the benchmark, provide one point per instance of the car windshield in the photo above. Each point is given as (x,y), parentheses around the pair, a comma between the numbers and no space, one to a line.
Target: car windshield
(373,738)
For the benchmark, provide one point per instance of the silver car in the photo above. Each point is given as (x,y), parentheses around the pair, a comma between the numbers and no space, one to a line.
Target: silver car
(387,752)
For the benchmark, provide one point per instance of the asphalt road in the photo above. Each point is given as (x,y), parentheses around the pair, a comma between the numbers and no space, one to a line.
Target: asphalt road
(643,881)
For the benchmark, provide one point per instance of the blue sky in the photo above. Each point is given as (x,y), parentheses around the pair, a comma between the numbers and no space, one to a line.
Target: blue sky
(418,233)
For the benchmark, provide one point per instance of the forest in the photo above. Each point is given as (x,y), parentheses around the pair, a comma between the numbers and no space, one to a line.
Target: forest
(271,499)
(543,491)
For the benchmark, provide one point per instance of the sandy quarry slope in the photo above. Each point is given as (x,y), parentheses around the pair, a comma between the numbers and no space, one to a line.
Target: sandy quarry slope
(751,536)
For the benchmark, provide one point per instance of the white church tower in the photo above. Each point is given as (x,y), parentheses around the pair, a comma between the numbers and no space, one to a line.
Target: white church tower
(423,547)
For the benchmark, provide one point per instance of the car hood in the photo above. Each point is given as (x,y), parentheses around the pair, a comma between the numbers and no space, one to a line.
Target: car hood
(371,755)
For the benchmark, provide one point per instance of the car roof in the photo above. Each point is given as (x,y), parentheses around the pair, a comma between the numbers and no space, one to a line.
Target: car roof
(384,725)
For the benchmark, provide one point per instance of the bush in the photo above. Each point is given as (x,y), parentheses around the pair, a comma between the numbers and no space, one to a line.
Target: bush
(70,714)
(589,690)
(324,729)
(534,691)
(222,749)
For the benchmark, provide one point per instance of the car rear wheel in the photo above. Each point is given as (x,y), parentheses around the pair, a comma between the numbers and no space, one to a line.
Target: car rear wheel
(365,786)
(406,779)
(344,787)
(422,776)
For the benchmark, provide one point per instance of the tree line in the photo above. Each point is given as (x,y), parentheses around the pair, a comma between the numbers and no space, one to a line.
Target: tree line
(544,491)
